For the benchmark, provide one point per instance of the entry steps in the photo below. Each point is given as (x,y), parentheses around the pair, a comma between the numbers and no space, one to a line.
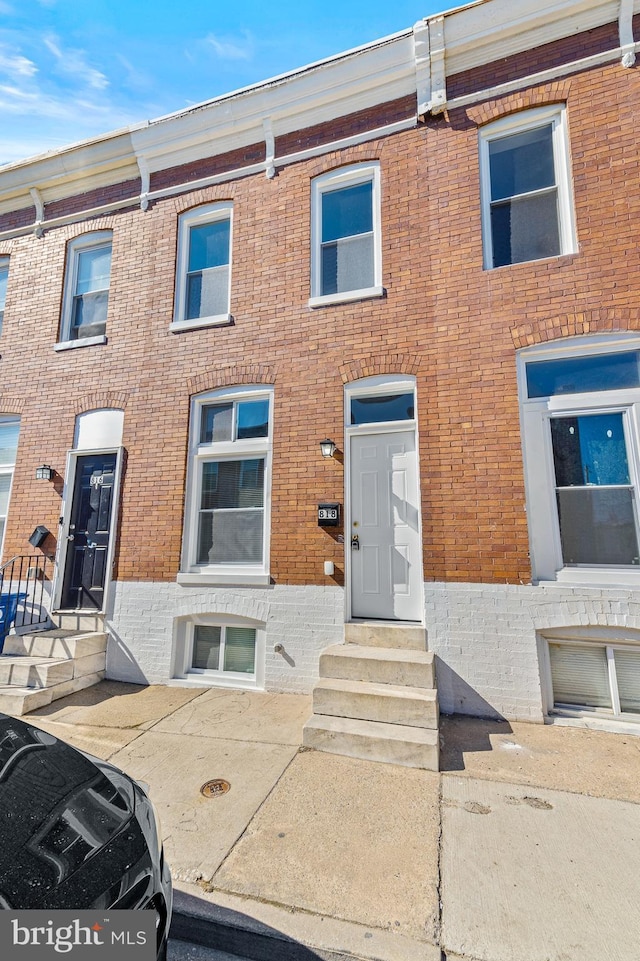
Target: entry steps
(40,667)
(376,697)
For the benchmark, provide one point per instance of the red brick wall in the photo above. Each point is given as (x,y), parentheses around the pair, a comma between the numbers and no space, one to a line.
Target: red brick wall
(444,318)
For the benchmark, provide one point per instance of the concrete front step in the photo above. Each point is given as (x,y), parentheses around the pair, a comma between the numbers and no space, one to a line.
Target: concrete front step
(23,671)
(351,662)
(58,643)
(78,620)
(373,741)
(18,701)
(389,634)
(388,703)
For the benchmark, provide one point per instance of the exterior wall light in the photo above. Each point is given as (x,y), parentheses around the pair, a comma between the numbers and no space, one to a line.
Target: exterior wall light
(44,472)
(327,448)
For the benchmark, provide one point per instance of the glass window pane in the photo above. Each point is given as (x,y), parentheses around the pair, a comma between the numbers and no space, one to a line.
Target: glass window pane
(347,265)
(376,410)
(228,484)
(208,293)
(521,162)
(589,450)
(5,487)
(94,268)
(240,650)
(597,526)
(230,537)
(579,374)
(90,310)
(206,647)
(628,674)
(525,229)
(580,675)
(209,245)
(253,419)
(4,277)
(8,442)
(347,211)
(216,423)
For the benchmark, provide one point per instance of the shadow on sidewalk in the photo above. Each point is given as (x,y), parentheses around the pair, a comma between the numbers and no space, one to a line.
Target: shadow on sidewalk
(226,930)
(461,735)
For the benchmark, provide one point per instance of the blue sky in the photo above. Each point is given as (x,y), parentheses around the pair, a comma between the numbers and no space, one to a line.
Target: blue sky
(74,69)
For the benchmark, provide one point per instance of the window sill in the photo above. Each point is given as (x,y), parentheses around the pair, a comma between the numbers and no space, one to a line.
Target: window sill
(214,578)
(80,342)
(561,260)
(210,680)
(346,296)
(219,320)
(575,577)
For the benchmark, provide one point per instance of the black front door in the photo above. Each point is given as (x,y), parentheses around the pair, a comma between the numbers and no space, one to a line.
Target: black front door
(88,545)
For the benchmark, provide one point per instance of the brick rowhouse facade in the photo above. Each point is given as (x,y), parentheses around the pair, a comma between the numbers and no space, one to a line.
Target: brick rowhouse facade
(444,320)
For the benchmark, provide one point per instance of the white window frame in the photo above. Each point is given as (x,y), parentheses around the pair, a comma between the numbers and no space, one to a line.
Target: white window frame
(612,640)
(256,447)
(183,674)
(540,485)
(198,217)
(8,470)
(336,180)
(96,239)
(554,114)
(4,266)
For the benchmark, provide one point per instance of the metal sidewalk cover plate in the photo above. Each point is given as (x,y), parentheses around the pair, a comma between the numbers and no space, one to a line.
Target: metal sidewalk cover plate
(215,788)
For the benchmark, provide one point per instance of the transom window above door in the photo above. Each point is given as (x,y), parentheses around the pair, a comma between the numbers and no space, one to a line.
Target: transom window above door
(227,517)
(203,267)
(382,408)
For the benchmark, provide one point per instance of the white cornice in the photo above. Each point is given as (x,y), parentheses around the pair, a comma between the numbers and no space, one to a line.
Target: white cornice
(414,62)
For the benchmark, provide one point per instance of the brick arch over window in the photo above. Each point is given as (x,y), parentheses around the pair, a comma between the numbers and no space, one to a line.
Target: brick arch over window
(232,377)
(557,92)
(216,193)
(334,162)
(11,405)
(602,321)
(370,366)
(100,399)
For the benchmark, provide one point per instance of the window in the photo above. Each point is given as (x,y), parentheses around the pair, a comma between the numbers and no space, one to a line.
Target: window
(227,519)
(9,431)
(526,196)
(203,267)
(224,648)
(4,277)
(346,262)
(581,411)
(220,650)
(86,296)
(587,676)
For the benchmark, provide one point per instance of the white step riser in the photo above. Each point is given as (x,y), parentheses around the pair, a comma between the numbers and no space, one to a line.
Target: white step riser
(20,701)
(388,708)
(392,636)
(60,647)
(377,671)
(352,740)
(79,622)
(35,675)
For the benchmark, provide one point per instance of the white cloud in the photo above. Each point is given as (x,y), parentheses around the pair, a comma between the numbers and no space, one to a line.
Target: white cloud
(13,65)
(73,62)
(229,49)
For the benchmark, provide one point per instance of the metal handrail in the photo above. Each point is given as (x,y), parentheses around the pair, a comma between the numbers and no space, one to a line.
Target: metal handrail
(23,578)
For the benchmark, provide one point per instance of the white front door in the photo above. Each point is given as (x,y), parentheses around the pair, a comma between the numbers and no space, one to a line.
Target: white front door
(386,567)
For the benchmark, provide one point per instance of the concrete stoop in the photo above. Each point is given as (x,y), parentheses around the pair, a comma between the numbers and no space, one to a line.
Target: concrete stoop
(377,700)
(38,668)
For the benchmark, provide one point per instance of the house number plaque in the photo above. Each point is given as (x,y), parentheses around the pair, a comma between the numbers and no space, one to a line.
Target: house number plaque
(328,515)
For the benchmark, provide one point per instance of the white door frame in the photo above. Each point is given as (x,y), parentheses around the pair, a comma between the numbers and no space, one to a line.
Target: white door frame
(373,387)
(67,503)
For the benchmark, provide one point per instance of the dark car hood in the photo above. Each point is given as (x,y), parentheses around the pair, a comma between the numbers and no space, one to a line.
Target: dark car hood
(57,811)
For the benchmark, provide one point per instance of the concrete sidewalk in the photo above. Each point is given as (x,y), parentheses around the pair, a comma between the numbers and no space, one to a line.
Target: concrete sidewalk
(524,848)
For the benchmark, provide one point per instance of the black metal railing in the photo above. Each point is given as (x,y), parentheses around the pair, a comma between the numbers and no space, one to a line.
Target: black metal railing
(25,592)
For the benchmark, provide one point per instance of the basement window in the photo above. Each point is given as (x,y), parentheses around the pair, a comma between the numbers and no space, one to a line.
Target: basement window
(590,678)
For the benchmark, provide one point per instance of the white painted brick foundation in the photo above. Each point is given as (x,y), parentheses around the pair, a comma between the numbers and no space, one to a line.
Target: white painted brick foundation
(484,635)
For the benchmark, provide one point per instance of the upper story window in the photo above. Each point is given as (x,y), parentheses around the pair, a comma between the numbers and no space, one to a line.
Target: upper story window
(86,292)
(346,261)
(526,194)
(226,532)
(203,267)
(4,277)
(581,414)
